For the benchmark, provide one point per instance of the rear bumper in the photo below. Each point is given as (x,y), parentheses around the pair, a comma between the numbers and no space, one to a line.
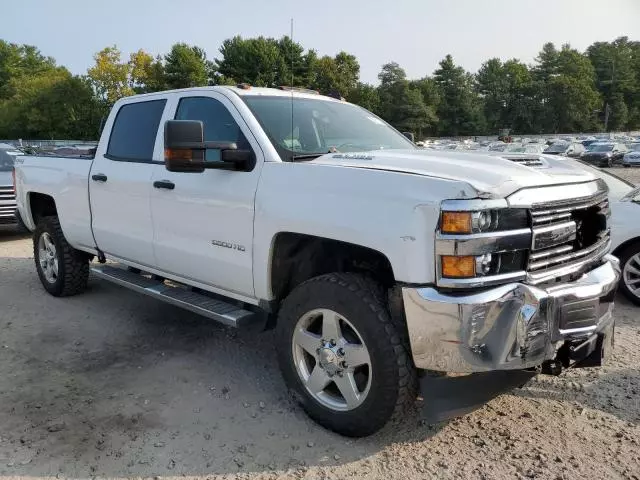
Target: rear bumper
(511,327)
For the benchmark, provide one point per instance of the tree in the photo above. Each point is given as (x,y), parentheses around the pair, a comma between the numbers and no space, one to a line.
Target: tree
(506,90)
(52,104)
(262,62)
(566,90)
(110,76)
(337,75)
(146,74)
(613,63)
(20,61)
(366,96)
(459,110)
(186,66)
(402,103)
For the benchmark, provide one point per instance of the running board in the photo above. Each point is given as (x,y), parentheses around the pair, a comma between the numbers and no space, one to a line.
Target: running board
(221,311)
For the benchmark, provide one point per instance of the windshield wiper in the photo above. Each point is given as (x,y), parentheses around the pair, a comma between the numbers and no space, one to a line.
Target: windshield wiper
(307,156)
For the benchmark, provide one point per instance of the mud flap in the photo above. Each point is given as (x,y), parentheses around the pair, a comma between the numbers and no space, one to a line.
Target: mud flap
(449,397)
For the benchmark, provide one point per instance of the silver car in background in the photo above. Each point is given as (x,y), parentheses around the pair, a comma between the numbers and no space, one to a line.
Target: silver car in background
(8,206)
(632,158)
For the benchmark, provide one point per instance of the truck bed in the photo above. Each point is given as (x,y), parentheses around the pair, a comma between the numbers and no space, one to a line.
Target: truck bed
(65,179)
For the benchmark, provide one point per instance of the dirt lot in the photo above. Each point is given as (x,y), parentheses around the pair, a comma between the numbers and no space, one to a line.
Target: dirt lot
(113,384)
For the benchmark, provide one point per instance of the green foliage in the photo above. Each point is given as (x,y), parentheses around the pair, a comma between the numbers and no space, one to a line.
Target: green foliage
(402,103)
(186,66)
(365,95)
(50,105)
(110,76)
(459,111)
(20,61)
(566,91)
(563,91)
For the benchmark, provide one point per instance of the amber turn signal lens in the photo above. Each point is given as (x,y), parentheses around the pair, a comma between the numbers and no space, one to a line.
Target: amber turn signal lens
(178,153)
(456,222)
(458,267)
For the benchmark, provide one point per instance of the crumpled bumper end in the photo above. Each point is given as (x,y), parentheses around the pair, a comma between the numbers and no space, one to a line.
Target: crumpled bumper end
(511,327)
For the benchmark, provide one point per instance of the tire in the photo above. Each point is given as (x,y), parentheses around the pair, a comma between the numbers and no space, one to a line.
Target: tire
(361,307)
(629,261)
(72,271)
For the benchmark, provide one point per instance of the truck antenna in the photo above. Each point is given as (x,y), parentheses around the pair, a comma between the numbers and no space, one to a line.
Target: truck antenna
(292,141)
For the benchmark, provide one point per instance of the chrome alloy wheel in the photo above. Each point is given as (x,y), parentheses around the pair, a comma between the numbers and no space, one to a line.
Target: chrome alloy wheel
(332,360)
(48,258)
(631,274)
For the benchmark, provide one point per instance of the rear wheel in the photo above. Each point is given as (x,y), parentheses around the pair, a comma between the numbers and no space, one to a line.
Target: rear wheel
(342,356)
(63,270)
(630,281)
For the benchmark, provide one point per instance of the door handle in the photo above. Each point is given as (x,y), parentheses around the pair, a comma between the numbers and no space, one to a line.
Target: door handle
(166,184)
(99,177)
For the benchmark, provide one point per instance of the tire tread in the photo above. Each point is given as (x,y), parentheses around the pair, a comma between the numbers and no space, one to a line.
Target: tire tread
(75,264)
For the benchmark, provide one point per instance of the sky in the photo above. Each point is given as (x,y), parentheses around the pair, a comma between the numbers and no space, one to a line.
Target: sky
(415,33)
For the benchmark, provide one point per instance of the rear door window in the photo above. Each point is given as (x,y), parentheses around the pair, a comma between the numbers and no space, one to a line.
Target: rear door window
(134,131)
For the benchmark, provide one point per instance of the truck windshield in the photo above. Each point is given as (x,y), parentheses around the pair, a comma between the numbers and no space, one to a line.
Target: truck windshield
(304,128)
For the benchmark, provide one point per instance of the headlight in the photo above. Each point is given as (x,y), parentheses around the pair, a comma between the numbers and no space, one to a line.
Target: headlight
(481,242)
(483,221)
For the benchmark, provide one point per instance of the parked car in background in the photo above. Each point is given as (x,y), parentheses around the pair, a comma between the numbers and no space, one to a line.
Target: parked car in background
(624,203)
(8,206)
(566,149)
(526,148)
(605,154)
(589,141)
(632,157)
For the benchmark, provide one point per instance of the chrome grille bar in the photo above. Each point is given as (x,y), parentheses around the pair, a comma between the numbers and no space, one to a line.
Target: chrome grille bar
(568,257)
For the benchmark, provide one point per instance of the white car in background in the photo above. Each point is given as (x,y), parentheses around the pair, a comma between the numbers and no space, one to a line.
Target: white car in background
(624,200)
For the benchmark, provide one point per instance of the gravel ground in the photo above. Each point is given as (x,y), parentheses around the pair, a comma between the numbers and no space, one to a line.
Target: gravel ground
(114,384)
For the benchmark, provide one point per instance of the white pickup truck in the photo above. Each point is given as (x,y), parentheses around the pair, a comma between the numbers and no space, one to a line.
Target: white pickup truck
(375,261)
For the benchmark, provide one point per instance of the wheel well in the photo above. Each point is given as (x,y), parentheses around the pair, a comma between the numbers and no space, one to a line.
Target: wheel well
(623,246)
(41,205)
(297,258)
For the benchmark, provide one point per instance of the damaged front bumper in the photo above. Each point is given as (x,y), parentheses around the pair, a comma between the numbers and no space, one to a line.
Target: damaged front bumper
(514,326)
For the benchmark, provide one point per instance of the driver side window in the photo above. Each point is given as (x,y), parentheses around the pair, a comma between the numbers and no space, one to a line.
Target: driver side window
(219,125)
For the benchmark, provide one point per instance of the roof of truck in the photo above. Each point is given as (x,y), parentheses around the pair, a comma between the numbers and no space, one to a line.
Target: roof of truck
(247,90)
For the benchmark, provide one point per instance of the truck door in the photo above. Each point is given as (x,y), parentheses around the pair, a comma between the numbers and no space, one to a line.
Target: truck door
(120,182)
(203,222)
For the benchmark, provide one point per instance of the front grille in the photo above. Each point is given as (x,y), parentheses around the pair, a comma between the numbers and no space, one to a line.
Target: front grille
(7,204)
(567,233)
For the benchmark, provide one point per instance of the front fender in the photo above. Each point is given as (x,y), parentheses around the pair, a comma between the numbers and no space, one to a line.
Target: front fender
(393,213)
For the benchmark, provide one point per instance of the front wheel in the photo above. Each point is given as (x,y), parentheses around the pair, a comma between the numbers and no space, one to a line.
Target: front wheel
(63,270)
(630,281)
(342,356)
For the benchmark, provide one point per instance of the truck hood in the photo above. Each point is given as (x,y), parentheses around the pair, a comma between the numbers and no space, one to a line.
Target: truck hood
(492,174)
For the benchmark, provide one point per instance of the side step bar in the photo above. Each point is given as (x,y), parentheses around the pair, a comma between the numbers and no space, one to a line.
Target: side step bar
(221,311)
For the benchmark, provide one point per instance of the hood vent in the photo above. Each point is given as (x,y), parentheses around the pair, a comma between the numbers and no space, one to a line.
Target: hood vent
(527,160)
